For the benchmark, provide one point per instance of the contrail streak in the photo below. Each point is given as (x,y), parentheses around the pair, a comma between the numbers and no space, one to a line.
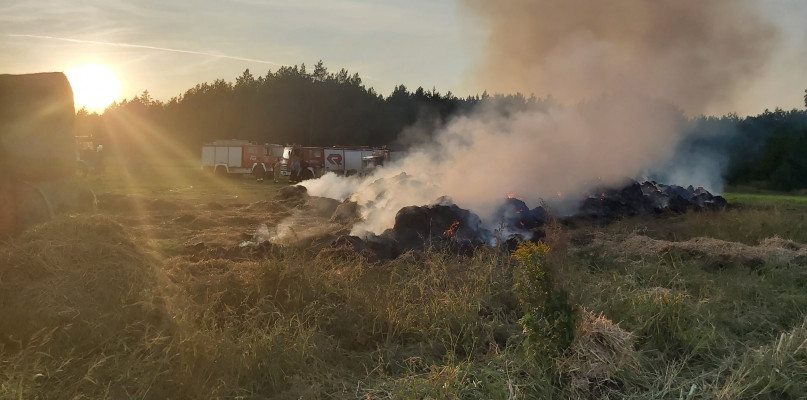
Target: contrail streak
(141,46)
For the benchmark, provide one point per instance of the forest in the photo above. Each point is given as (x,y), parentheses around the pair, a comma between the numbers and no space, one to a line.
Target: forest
(322,108)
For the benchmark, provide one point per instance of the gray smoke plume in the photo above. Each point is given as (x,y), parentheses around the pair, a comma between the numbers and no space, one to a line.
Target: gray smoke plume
(695,54)
(624,72)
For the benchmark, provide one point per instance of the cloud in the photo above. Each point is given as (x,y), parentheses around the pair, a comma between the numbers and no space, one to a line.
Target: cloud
(146,47)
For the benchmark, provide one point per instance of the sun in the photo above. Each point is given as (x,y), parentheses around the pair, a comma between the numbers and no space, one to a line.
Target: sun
(95,86)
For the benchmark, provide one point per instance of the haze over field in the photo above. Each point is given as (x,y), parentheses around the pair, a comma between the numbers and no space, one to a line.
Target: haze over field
(167,49)
(627,76)
(190,241)
(621,75)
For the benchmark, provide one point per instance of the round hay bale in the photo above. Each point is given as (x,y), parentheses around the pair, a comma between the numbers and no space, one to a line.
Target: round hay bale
(37,141)
(82,278)
(24,203)
(293,193)
(321,206)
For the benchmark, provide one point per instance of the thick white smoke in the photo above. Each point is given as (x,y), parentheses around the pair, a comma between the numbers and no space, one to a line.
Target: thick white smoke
(631,66)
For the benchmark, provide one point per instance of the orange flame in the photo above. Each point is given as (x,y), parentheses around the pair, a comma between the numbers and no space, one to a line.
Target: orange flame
(452,230)
(511,195)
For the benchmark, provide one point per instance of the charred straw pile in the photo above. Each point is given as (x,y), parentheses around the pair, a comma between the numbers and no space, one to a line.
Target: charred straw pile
(445,225)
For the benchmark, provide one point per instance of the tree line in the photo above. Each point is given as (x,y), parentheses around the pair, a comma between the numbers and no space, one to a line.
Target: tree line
(290,105)
(322,108)
(768,150)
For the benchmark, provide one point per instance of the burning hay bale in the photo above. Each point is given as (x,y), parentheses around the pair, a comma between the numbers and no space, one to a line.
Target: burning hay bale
(600,350)
(647,198)
(321,206)
(415,225)
(346,247)
(443,225)
(518,222)
(346,213)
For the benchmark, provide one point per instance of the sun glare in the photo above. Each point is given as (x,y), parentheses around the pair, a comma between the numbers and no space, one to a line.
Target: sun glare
(94,86)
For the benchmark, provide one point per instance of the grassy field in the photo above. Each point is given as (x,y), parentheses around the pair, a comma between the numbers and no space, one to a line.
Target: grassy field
(754,199)
(168,292)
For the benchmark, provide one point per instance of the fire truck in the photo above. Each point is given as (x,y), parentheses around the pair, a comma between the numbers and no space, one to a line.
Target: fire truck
(240,157)
(313,162)
(379,158)
(344,160)
(301,162)
(233,157)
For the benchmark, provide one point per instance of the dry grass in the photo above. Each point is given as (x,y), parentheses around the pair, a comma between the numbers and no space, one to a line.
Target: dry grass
(170,294)
(774,371)
(774,249)
(600,350)
(76,292)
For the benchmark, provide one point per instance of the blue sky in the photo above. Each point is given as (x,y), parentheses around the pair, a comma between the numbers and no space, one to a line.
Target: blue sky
(167,47)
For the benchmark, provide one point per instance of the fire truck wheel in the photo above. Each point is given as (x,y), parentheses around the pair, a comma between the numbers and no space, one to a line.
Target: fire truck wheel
(307,174)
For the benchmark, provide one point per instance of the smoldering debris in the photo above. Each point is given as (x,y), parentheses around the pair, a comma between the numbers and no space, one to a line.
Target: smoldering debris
(446,226)
(646,198)
(443,224)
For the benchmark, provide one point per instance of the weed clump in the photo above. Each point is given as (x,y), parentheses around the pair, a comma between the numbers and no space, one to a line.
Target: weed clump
(549,319)
(669,322)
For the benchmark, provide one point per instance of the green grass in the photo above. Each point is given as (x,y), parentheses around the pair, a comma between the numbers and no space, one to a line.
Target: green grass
(766,200)
(749,219)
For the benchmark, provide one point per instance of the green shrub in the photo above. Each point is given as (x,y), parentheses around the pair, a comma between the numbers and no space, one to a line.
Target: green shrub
(549,319)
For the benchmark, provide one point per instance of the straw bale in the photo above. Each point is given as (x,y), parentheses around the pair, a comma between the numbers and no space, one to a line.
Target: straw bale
(37,141)
(82,276)
(771,249)
(600,349)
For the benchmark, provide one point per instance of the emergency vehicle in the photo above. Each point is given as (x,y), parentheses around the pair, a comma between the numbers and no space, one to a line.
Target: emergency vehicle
(239,157)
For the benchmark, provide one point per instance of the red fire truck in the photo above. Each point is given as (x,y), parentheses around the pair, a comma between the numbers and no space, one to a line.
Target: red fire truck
(239,157)
(233,157)
(302,162)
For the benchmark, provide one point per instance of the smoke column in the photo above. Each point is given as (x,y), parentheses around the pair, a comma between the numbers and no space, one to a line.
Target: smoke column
(695,54)
(624,72)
